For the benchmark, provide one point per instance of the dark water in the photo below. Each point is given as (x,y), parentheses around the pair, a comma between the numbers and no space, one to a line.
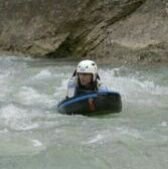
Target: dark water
(35,136)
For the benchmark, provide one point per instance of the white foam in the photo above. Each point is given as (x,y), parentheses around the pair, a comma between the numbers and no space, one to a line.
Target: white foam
(163,124)
(62,89)
(30,96)
(36,143)
(133,82)
(16,118)
(95,139)
(129,132)
(43,74)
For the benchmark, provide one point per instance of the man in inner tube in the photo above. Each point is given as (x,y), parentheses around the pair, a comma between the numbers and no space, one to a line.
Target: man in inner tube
(85,79)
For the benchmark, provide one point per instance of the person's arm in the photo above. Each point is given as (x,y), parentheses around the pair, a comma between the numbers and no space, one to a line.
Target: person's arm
(71,88)
(102,87)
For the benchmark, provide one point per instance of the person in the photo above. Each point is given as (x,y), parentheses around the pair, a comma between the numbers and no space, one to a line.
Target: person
(85,79)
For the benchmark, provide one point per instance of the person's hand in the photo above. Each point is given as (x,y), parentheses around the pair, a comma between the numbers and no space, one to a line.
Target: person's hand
(91,103)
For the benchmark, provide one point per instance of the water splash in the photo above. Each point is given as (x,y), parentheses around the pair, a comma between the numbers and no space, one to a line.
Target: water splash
(29,122)
(16,118)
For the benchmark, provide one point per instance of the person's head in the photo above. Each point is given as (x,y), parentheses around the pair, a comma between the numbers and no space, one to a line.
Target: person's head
(87,72)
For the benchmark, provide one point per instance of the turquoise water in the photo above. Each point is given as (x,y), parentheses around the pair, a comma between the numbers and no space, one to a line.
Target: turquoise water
(35,136)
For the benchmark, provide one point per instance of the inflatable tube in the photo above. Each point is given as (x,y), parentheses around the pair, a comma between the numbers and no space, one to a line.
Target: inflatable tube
(90,104)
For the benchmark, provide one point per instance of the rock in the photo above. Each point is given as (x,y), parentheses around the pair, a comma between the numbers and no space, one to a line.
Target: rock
(123,30)
(140,37)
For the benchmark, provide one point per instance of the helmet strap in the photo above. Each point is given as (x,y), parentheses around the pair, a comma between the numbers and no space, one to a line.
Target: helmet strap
(74,73)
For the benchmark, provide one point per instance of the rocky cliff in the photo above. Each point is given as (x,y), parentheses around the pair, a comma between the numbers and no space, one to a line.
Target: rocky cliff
(114,30)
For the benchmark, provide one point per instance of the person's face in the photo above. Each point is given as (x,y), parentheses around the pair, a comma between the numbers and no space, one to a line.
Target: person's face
(85,78)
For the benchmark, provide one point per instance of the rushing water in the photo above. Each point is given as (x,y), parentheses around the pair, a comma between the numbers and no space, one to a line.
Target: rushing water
(33,135)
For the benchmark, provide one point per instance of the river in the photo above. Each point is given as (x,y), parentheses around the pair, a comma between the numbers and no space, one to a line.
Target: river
(33,135)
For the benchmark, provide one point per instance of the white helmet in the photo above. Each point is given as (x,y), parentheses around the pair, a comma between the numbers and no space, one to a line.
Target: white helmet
(87,66)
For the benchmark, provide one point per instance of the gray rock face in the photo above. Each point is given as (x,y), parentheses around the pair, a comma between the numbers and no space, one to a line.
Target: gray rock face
(125,30)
